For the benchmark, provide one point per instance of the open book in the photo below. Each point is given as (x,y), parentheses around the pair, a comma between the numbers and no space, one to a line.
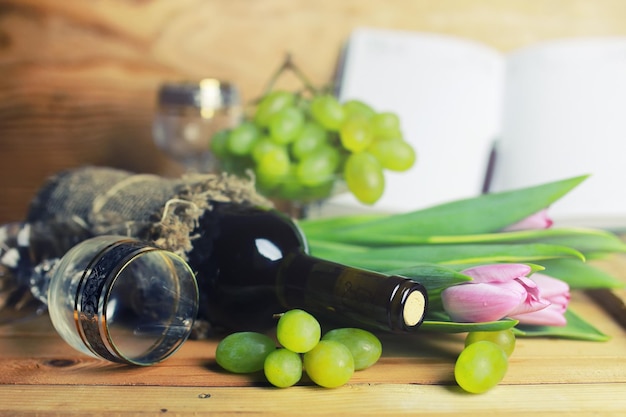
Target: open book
(546,112)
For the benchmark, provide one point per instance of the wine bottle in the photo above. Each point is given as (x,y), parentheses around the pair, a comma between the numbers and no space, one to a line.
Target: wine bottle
(250,262)
(255,263)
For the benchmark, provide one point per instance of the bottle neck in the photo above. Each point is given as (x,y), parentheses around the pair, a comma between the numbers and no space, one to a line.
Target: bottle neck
(351,295)
(252,263)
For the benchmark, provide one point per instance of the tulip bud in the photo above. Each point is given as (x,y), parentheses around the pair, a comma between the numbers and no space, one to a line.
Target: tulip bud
(504,290)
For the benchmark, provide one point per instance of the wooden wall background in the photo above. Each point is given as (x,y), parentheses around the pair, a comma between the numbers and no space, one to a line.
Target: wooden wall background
(78,77)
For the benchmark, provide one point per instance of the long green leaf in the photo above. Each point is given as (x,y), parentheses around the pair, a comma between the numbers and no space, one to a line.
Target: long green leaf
(433,277)
(576,328)
(440,322)
(579,275)
(389,258)
(584,240)
(318,226)
(483,214)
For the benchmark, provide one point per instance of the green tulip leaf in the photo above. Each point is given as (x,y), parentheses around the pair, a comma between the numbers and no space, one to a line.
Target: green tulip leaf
(390,258)
(433,277)
(584,240)
(576,329)
(580,275)
(485,213)
(440,322)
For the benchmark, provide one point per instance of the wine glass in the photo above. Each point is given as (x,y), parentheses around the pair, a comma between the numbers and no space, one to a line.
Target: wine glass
(188,114)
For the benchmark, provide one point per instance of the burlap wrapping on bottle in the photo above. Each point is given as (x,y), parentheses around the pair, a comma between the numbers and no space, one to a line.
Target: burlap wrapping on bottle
(162,210)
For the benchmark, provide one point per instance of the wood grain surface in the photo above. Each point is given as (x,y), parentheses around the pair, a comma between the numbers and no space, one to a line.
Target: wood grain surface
(41,375)
(78,78)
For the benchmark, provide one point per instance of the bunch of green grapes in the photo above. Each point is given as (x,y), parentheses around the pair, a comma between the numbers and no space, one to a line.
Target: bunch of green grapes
(483,363)
(299,148)
(329,361)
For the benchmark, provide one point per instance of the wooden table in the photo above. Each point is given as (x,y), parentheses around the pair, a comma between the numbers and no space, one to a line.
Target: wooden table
(40,375)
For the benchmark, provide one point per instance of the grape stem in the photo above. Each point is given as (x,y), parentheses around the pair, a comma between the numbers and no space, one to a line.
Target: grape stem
(288,64)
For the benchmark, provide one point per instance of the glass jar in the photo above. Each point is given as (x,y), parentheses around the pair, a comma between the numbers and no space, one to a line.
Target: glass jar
(188,114)
(123,300)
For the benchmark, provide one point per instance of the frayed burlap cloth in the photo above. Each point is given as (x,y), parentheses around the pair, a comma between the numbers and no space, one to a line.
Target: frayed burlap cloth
(161,210)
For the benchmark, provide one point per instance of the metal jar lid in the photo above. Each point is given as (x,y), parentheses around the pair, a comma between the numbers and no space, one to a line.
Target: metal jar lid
(206,94)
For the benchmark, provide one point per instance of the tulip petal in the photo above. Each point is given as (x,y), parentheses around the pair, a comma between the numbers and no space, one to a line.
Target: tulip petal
(497,272)
(480,302)
(539,220)
(551,287)
(549,316)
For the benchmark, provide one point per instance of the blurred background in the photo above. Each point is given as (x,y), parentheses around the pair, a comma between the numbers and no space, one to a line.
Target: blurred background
(78,79)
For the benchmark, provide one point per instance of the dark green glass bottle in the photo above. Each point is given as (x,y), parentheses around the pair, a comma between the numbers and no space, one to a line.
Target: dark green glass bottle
(254,263)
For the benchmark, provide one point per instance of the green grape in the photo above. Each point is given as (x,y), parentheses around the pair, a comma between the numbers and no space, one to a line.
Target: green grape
(298,331)
(364,346)
(272,103)
(235,164)
(356,134)
(262,146)
(503,338)
(244,352)
(480,367)
(283,368)
(364,177)
(311,137)
(318,192)
(358,108)
(386,125)
(329,364)
(218,144)
(393,154)
(242,138)
(285,125)
(318,167)
(327,111)
(272,167)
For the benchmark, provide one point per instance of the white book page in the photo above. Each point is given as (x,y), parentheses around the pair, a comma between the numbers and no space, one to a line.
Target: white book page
(447,92)
(564,116)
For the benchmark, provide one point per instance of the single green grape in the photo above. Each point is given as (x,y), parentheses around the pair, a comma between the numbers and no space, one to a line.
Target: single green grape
(283,368)
(329,364)
(318,167)
(237,165)
(290,188)
(393,154)
(364,346)
(386,125)
(356,134)
(272,103)
(327,111)
(273,167)
(364,177)
(503,338)
(285,125)
(262,146)
(298,331)
(242,138)
(358,108)
(218,144)
(244,352)
(480,367)
(311,137)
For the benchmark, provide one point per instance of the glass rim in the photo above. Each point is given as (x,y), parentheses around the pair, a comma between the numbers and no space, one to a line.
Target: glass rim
(94,290)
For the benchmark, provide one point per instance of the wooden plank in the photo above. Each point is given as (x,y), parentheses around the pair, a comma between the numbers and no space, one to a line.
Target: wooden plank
(613,301)
(354,399)
(31,353)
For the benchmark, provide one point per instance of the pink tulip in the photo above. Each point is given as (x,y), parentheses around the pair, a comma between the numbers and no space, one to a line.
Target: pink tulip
(557,293)
(539,220)
(504,290)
